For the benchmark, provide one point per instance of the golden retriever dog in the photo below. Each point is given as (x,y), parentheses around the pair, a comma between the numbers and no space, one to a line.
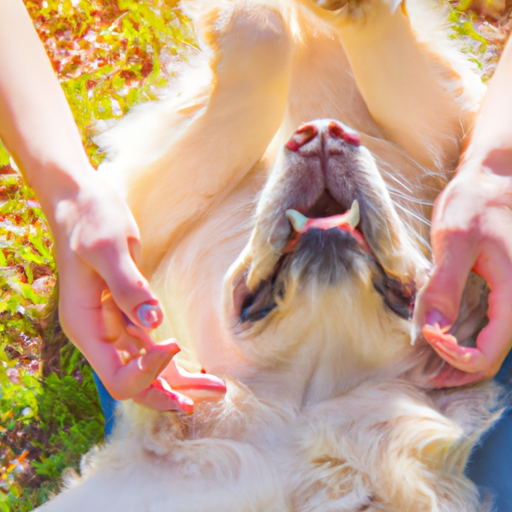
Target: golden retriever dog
(282,190)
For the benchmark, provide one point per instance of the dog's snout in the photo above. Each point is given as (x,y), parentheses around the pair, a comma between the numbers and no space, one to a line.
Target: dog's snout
(303,135)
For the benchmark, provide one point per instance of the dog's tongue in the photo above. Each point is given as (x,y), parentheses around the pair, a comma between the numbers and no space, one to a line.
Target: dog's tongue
(345,222)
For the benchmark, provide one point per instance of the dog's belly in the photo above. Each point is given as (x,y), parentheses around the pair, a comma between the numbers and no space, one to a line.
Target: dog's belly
(190,277)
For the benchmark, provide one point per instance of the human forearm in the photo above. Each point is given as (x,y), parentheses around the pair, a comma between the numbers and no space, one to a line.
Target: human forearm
(491,141)
(95,233)
(36,124)
(471,227)
(94,230)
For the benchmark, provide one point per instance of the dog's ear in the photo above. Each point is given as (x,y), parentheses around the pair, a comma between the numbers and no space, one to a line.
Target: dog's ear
(259,304)
(397,295)
(247,306)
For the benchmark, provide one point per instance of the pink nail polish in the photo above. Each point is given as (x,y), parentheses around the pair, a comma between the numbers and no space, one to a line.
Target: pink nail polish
(435,317)
(150,315)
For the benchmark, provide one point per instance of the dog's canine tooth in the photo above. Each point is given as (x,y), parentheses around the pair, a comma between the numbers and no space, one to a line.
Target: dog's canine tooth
(350,217)
(353,216)
(297,220)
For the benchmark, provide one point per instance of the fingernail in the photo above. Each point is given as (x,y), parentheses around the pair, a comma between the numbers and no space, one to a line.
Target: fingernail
(150,315)
(435,317)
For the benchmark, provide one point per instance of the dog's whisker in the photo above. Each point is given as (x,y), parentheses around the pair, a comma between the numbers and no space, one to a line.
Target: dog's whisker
(411,199)
(413,215)
(396,179)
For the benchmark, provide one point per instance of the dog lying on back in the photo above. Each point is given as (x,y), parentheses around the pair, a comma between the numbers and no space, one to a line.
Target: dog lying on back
(280,192)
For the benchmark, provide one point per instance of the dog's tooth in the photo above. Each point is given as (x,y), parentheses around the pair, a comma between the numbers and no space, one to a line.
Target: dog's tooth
(297,220)
(353,216)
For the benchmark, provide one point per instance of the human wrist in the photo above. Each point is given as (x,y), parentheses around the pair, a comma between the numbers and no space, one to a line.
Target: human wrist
(60,188)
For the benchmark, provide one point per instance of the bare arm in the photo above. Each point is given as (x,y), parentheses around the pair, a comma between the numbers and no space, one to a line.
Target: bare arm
(472,229)
(94,231)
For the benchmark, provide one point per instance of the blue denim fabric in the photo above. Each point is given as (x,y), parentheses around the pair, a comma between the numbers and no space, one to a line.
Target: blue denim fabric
(108,404)
(490,465)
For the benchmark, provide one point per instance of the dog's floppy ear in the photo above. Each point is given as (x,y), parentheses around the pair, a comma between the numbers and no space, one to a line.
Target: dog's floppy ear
(244,305)
(259,304)
(397,295)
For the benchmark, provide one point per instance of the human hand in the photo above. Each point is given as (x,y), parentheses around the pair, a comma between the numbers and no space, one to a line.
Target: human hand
(96,240)
(471,229)
(143,360)
(175,388)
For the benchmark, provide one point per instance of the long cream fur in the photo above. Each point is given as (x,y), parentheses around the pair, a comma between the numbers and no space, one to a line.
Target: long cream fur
(327,408)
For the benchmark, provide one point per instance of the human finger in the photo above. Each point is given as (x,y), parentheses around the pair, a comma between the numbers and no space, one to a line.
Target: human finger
(80,309)
(439,300)
(449,376)
(124,356)
(198,386)
(185,403)
(495,340)
(129,287)
(463,358)
(153,398)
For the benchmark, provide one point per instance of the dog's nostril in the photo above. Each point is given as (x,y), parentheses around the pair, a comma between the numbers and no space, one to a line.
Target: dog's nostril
(352,137)
(302,136)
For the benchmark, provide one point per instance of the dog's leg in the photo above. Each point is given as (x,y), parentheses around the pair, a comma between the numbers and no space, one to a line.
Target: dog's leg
(418,88)
(176,158)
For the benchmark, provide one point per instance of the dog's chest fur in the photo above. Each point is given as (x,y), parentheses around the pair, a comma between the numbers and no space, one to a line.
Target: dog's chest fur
(371,449)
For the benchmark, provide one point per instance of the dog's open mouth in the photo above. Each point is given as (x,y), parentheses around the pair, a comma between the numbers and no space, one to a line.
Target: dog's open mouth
(348,222)
(325,244)
(335,223)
